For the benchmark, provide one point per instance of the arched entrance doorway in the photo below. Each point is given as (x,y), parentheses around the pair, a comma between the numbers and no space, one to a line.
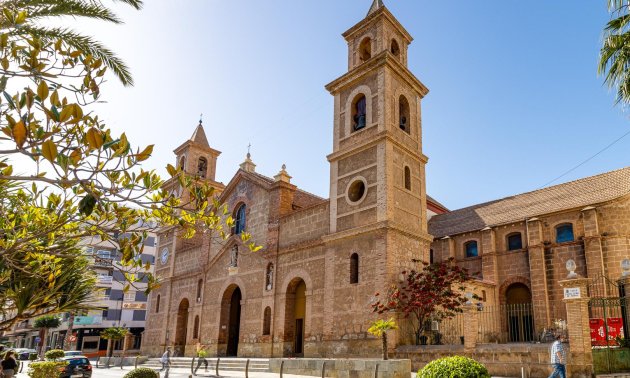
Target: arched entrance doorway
(181,329)
(230,326)
(295,318)
(520,320)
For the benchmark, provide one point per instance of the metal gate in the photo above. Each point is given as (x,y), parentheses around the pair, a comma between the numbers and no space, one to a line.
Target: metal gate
(609,311)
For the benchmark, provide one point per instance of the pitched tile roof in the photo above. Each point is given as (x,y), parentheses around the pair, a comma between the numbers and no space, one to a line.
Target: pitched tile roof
(580,193)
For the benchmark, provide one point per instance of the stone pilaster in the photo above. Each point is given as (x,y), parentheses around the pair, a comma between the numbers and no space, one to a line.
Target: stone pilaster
(489,267)
(538,274)
(580,358)
(592,244)
(471,327)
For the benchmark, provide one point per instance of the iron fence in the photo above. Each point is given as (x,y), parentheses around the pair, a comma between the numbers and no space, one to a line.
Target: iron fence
(513,323)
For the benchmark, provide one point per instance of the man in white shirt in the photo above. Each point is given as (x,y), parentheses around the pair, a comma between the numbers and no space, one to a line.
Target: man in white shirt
(558,358)
(166,360)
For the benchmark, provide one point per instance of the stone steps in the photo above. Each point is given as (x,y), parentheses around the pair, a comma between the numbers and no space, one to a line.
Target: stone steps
(225,364)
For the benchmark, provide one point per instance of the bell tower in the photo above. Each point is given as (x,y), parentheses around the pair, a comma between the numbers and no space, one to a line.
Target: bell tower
(377,167)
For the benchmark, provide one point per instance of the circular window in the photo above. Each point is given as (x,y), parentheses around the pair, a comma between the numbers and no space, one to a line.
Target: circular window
(356,191)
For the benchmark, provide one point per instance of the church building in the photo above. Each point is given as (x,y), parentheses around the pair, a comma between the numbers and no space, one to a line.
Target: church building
(308,292)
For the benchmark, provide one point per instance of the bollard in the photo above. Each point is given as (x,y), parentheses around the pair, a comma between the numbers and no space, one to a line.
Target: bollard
(324,370)
(247,368)
(122,361)
(281,368)
(98,359)
(135,365)
(192,366)
(216,368)
(376,371)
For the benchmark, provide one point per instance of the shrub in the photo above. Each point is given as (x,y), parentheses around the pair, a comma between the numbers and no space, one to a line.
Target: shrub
(45,369)
(453,367)
(141,373)
(54,354)
(32,356)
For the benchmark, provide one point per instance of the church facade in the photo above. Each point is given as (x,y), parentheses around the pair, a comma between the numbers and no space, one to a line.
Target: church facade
(308,291)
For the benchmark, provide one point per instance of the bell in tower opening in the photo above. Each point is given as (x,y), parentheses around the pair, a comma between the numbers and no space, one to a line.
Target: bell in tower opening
(359,113)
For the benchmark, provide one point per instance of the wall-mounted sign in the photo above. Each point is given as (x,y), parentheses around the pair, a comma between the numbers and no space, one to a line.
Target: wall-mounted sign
(135,306)
(572,293)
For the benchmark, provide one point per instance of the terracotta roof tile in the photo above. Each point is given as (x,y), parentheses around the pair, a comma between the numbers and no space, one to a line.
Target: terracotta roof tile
(580,193)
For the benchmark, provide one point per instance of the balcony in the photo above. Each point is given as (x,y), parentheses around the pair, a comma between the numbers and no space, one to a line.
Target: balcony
(104,280)
(88,320)
(102,262)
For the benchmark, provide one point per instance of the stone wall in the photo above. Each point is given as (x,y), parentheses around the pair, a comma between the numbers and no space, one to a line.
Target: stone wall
(503,360)
(342,368)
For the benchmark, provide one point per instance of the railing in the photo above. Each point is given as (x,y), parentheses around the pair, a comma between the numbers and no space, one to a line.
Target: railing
(103,262)
(105,280)
(513,323)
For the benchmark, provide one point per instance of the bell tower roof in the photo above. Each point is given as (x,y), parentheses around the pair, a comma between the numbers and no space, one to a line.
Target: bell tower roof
(375,6)
(199,136)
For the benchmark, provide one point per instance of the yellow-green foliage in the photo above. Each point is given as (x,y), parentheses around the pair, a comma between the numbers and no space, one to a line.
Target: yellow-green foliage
(141,373)
(46,369)
(54,354)
(380,326)
(453,367)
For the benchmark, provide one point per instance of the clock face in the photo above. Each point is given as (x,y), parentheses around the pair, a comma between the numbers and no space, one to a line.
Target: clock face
(164,256)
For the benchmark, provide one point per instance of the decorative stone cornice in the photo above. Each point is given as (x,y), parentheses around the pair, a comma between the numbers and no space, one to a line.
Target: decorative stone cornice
(384,58)
(376,139)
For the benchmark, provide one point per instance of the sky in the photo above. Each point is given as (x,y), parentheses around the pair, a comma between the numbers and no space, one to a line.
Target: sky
(515,100)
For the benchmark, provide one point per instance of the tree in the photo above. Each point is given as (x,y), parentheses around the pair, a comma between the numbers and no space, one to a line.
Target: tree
(614,61)
(76,178)
(31,12)
(113,334)
(434,293)
(379,328)
(44,324)
(47,284)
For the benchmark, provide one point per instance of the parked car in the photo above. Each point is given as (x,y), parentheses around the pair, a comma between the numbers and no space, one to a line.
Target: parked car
(22,354)
(70,353)
(78,366)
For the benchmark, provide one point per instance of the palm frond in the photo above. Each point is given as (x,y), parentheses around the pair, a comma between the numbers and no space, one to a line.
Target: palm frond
(83,43)
(73,8)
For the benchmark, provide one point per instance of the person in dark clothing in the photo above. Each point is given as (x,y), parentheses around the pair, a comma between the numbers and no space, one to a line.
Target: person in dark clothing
(9,365)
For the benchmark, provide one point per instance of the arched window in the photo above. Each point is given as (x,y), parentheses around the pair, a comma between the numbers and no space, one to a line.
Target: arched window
(354,268)
(407,178)
(199,290)
(239,221)
(269,277)
(394,48)
(267,321)
(365,49)
(157,304)
(431,256)
(182,163)
(564,233)
(202,167)
(403,114)
(471,249)
(359,112)
(514,241)
(196,329)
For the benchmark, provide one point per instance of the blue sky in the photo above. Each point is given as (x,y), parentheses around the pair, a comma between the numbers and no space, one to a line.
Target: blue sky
(514,101)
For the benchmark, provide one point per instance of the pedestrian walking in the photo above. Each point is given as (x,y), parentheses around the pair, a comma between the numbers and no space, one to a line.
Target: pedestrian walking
(166,361)
(558,358)
(9,365)
(201,355)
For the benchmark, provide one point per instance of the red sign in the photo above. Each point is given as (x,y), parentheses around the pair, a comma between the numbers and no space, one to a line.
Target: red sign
(615,328)
(599,333)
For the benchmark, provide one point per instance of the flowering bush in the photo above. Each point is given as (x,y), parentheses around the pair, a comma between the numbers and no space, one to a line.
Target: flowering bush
(453,367)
